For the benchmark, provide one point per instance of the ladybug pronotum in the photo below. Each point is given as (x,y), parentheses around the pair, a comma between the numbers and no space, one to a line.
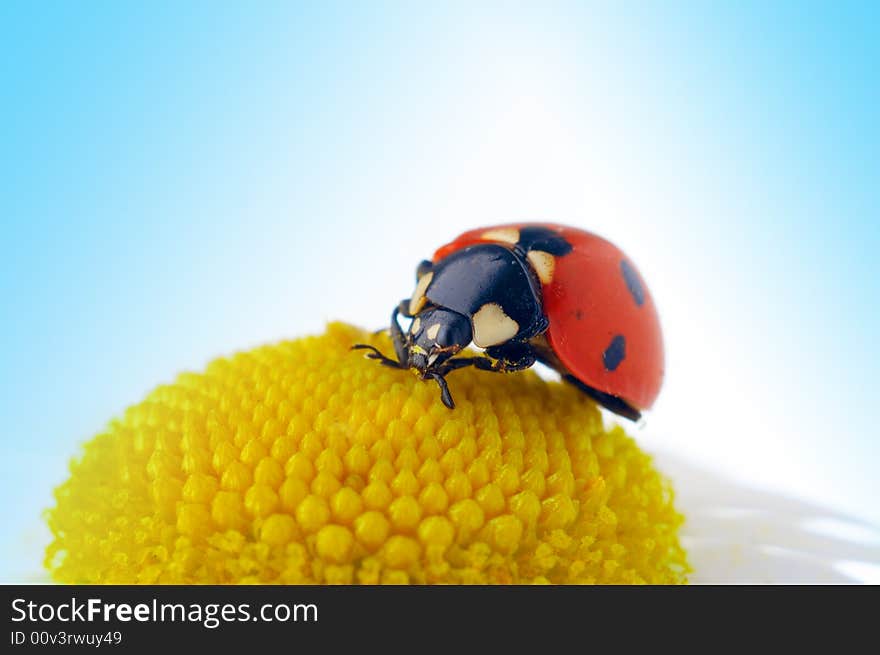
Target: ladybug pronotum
(534,292)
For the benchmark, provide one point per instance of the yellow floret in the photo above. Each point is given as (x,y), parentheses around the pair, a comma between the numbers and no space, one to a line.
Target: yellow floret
(304,462)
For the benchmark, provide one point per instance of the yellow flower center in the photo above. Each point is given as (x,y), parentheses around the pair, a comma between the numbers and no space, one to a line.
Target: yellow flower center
(304,462)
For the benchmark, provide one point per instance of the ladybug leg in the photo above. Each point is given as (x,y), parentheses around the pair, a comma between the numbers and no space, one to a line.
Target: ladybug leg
(457,363)
(511,356)
(508,358)
(502,359)
(445,395)
(486,364)
(482,363)
(398,338)
(403,308)
(376,354)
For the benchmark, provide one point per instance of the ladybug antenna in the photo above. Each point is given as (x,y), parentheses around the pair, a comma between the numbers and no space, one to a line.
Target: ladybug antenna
(445,395)
(377,355)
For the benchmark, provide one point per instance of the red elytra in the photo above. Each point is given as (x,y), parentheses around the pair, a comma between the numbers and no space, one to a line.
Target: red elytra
(596,295)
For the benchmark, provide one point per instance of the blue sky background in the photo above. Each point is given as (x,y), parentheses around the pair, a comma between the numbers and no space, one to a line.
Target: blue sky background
(181,182)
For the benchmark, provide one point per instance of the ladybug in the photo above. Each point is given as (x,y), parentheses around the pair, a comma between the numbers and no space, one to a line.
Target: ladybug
(534,292)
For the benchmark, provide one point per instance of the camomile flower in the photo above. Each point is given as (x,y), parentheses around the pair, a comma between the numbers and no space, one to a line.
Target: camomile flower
(303,462)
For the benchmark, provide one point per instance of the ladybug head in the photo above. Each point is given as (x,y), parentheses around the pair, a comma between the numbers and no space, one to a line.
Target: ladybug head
(435,335)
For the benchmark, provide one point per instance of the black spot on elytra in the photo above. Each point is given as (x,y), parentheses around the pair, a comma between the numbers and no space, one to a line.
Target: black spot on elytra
(542,238)
(632,282)
(578,314)
(614,353)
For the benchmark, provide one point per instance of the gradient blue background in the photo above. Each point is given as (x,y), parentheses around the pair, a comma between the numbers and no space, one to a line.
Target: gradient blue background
(181,182)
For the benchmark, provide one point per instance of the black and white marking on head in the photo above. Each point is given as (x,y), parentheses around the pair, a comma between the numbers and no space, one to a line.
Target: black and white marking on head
(492,326)
(467,280)
(633,283)
(432,331)
(614,353)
